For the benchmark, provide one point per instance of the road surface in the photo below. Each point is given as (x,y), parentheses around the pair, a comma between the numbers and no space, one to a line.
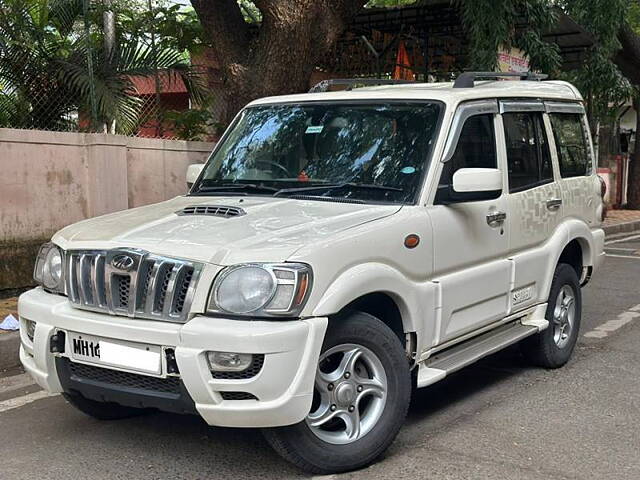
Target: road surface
(499,419)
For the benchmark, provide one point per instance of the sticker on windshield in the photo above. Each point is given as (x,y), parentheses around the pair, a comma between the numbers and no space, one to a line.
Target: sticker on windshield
(408,170)
(314,129)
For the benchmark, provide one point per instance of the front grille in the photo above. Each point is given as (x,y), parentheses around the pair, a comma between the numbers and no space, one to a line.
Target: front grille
(80,371)
(132,283)
(213,210)
(238,396)
(252,371)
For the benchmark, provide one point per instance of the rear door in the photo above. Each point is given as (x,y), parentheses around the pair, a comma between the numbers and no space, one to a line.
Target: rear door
(535,198)
(579,187)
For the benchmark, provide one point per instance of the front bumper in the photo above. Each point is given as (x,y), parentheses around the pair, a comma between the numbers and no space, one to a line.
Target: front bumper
(283,387)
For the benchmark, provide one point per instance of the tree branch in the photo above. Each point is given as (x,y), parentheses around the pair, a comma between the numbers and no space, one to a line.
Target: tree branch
(628,59)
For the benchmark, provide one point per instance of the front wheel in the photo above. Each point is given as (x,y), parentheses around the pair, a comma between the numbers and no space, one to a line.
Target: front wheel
(361,396)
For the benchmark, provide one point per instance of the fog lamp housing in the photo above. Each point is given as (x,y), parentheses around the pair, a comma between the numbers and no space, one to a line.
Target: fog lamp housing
(229,361)
(30,329)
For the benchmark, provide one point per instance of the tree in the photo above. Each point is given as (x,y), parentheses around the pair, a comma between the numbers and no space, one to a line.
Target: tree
(278,55)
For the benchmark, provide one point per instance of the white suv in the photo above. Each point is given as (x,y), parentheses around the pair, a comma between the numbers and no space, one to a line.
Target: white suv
(337,250)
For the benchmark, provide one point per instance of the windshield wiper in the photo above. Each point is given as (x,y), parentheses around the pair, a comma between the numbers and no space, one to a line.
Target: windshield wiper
(241,188)
(335,186)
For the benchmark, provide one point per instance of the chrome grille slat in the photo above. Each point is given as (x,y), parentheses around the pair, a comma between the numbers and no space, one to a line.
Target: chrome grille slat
(172,292)
(151,291)
(150,287)
(94,280)
(82,289)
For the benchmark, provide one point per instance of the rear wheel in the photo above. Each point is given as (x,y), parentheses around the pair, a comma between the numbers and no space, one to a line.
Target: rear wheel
(361,397)
(553,347)
(102,410)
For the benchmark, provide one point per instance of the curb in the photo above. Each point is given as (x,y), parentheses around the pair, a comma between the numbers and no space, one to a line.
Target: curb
(9,350)
(627,227)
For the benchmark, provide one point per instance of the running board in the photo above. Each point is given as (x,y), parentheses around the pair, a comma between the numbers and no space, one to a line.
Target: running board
(459,356)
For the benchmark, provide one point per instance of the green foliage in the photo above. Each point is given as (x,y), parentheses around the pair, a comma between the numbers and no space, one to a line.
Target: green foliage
(389,3)
(633,17)
(45,77)
(490,26)
(600,79)
(175,27)
(193,124)
(250,11)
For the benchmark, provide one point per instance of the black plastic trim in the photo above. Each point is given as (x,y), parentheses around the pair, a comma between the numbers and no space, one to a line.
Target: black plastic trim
(128,396)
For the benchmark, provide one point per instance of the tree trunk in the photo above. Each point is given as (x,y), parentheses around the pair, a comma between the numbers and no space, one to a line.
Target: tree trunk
(280,56)
(628,58)
(633,194)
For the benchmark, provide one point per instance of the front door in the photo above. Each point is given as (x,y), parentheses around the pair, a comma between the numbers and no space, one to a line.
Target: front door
(471,239)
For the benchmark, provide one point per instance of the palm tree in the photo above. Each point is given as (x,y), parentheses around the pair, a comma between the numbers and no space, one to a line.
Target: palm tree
(54,72)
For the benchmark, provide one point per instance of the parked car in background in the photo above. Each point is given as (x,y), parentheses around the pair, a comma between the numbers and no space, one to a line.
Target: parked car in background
(337,251)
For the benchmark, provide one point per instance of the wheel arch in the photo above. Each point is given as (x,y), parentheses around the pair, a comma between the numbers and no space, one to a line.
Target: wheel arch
(576,253)
(381,291)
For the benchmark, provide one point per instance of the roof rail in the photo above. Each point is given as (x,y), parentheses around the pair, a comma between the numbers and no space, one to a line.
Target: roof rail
(351,83)
(467,79)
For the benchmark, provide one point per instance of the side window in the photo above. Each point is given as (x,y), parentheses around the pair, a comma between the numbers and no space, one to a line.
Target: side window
(528,155)
(571,142)
(476,149)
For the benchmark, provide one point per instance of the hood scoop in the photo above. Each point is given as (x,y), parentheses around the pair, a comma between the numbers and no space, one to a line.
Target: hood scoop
(212,210)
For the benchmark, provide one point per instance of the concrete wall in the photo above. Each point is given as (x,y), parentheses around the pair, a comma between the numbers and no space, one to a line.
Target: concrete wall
(50,179)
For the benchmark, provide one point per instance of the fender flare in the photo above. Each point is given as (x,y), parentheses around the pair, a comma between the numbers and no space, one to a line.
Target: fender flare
(364,279)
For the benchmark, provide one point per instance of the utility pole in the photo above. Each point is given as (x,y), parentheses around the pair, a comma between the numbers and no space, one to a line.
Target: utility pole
(109,32)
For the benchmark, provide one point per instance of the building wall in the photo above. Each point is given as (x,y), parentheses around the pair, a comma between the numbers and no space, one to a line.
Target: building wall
(51,179)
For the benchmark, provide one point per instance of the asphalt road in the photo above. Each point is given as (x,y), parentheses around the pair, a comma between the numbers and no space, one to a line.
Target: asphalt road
(499,419)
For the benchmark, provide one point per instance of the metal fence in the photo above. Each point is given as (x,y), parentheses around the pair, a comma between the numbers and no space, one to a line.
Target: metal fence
(72,73)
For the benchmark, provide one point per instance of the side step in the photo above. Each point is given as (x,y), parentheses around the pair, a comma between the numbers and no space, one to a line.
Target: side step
(459,356)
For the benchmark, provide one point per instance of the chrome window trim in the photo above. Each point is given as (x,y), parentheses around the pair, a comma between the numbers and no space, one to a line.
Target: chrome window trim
(508,106)
(564,107)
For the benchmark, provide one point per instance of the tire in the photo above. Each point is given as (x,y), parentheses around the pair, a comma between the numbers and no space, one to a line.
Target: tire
(332,447)
(102,410)
(552,348)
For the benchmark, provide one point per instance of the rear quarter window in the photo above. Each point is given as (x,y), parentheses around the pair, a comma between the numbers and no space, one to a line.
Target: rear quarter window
(571,144)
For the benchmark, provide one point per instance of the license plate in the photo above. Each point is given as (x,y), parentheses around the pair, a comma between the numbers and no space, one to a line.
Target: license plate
(115,353)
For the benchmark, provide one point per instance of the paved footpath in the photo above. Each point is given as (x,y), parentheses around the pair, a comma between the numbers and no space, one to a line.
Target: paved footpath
(499,419)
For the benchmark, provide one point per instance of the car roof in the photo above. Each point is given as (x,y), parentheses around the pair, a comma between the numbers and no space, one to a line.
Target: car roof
(444,92)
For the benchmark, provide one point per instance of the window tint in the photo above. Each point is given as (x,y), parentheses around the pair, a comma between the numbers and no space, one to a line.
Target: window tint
(476,149)
(571,144)
(528,153)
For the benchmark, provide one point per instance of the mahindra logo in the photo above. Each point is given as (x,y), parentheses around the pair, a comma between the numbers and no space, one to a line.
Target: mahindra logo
(123,262)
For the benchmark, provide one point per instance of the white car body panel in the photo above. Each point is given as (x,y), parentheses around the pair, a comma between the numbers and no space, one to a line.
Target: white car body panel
(463,278)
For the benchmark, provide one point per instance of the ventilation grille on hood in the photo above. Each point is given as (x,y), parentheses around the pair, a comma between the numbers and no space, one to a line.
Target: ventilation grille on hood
(213,210)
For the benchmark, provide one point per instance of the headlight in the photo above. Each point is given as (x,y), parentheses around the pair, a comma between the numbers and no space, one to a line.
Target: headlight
(261,289)
(49,268)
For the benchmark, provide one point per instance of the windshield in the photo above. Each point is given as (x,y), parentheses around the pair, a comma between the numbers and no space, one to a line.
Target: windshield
(363,153)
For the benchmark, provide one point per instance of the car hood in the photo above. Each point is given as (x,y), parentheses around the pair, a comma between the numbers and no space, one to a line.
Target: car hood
(271,229)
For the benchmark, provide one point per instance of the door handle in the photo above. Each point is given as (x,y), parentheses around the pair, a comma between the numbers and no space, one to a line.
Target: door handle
(495,219)
(554,204)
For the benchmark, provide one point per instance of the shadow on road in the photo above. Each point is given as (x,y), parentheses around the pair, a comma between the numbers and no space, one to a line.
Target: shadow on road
(187,444)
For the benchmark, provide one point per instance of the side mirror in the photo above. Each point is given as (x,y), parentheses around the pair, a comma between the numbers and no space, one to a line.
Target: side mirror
(474,184)
(193,172)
